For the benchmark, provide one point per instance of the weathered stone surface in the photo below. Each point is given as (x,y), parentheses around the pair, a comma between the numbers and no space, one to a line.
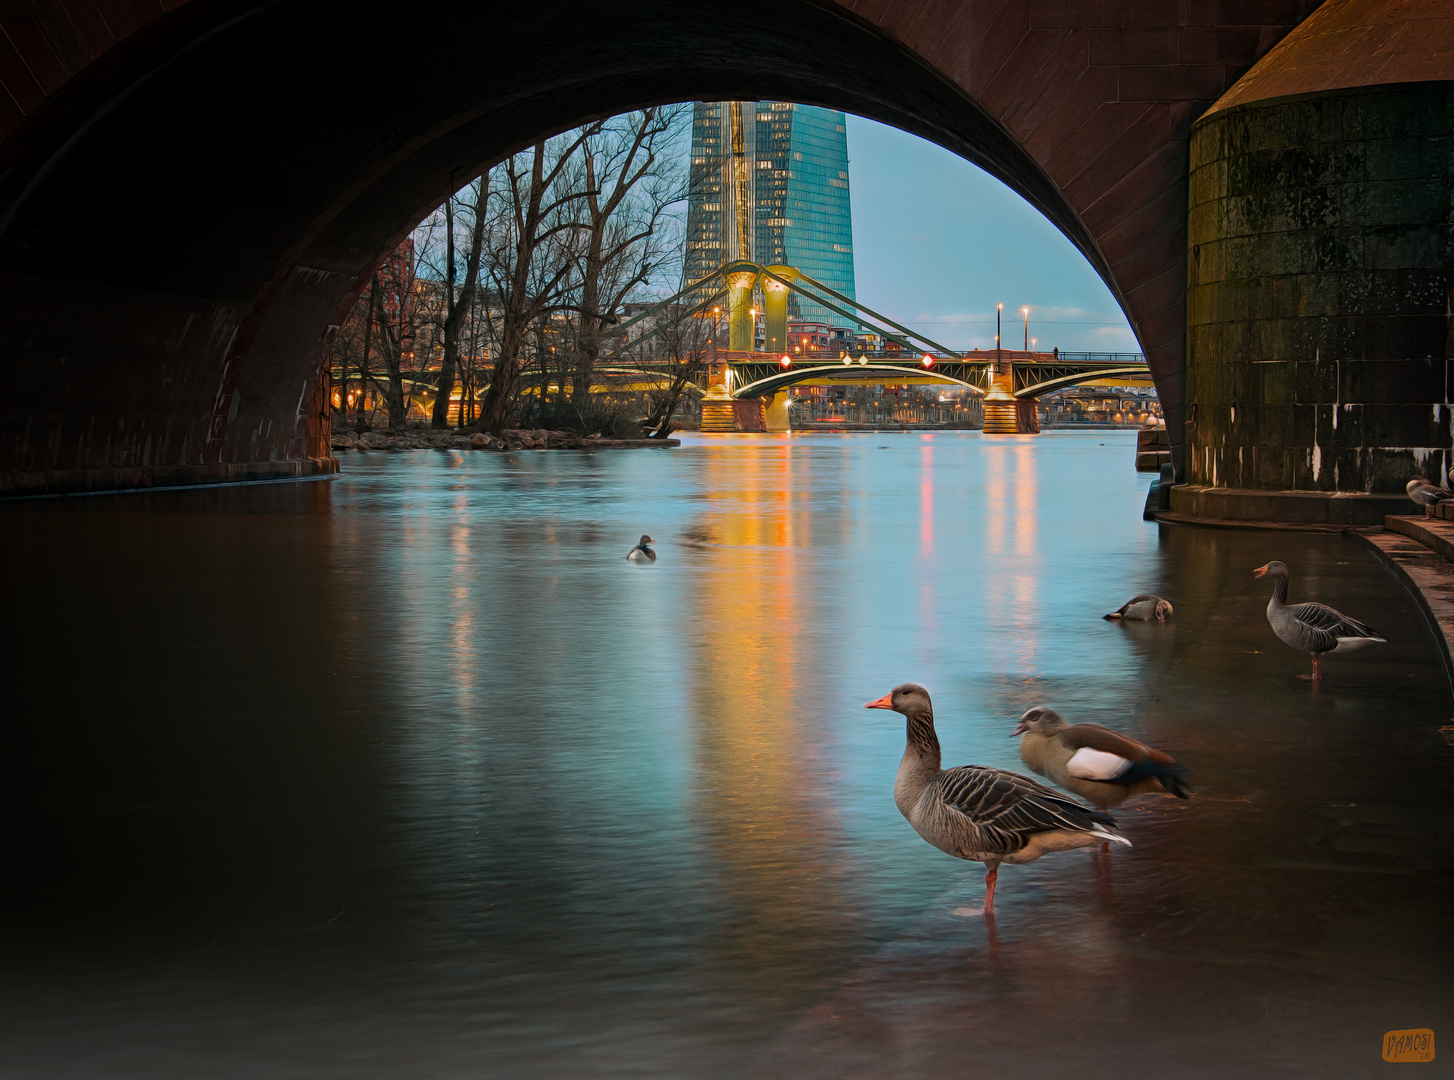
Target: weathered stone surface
(1319,292)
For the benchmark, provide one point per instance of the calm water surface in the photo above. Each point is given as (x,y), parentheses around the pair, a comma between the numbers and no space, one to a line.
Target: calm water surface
(411,774)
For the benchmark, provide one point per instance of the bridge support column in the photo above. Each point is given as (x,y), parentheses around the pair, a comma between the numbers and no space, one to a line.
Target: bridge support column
(1001,415)
(718,415)
(775,415)
(775,310)
(1027,416)
(1318,357)
(742,328)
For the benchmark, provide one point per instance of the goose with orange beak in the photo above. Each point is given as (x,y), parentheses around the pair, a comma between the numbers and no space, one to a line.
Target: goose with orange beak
(1313,628)
(979,813)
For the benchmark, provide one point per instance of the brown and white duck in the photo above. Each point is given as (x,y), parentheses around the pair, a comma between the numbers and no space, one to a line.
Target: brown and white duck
(642,552)
(1426,494)
(1313,628)
(980,813)
(1103,767)
(1143,608)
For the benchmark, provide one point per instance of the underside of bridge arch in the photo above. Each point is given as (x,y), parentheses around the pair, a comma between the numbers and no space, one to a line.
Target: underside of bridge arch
(191,199)
(861,376)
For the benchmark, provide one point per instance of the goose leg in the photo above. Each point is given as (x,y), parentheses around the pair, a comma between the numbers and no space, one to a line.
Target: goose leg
(989,888)
(1105,847)
(1317,671)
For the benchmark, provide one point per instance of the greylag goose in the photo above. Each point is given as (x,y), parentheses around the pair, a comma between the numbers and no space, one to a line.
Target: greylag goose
(980,813)
(1143,608)
(1427,494)
(1102,767)
(1313,628)
(642,552)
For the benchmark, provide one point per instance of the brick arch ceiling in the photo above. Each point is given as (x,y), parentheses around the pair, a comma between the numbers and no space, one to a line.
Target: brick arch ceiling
(191,190)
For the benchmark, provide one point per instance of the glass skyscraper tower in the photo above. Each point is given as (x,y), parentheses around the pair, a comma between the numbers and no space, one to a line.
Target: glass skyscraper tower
(796,163)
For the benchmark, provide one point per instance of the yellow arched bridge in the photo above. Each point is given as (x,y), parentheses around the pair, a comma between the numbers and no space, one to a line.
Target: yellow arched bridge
(1009,381)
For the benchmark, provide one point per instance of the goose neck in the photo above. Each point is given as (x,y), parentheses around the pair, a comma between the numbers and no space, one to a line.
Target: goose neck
(923,742)
(1279,590)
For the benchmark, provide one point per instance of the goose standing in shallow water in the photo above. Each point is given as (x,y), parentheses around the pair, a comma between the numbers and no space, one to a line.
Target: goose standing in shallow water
(1426,494)
(1103,767)
(1313,628)
(1143,608)
(642,552)
(979,813)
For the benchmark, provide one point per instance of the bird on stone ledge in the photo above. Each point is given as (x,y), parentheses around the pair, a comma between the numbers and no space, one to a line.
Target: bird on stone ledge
(1427,494)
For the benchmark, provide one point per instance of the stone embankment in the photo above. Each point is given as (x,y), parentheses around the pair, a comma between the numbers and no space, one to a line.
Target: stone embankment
(540,439)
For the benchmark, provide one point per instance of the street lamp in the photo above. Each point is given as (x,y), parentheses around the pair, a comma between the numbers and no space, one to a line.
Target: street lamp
(998,308)
(1026,312)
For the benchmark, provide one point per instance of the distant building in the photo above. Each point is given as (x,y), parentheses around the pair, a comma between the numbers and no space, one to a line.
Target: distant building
(795,160)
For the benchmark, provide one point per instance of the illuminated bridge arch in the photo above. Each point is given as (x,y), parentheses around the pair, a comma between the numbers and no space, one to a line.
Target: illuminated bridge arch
(1062,382)
(856,375)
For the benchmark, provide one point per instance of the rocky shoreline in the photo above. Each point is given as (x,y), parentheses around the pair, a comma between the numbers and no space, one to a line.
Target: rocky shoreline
(540,439)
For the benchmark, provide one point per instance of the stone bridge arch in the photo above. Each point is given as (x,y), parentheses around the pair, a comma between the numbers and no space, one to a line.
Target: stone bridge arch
(191,191)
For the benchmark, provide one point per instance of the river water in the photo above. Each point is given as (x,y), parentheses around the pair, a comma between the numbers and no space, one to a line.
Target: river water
(410,773)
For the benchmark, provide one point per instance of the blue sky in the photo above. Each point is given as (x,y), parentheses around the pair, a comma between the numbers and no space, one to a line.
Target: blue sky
(937,241)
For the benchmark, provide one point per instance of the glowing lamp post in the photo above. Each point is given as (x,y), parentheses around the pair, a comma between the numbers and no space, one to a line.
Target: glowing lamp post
(1026,312)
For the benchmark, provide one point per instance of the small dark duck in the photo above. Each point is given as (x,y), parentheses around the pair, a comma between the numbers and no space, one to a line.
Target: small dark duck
(642,552)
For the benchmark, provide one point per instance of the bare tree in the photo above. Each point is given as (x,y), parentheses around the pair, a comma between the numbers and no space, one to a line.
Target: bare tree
(530,256)
(394,296)
(454,307)
(629,186)
(679,345)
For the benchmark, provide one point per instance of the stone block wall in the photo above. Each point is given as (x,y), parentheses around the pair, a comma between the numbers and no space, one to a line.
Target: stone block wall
(1319,256)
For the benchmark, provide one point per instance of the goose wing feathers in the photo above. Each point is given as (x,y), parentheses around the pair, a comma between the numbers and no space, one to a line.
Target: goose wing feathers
(1006,809)
(1137,600)
(1323,625)
(1095,737)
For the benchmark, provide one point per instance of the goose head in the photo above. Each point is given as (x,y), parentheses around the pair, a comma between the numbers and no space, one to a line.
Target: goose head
(1273,569)
(645,540)
(1040,721)
(908,698)
(1163,609)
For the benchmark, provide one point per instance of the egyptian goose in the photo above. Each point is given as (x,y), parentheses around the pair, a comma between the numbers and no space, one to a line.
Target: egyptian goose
(1427,494)
(1102,767)
(1143,608)
(1313,628)
(642,552)
(979,813)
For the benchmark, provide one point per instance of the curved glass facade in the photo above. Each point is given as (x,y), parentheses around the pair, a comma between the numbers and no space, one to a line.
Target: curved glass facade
(797,191)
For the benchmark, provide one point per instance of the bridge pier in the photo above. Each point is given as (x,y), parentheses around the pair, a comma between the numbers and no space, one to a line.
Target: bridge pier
(775,412)
(1005,414)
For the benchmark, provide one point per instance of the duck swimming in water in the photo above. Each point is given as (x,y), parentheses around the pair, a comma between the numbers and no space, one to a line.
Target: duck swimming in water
(642,552)
(979,813)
